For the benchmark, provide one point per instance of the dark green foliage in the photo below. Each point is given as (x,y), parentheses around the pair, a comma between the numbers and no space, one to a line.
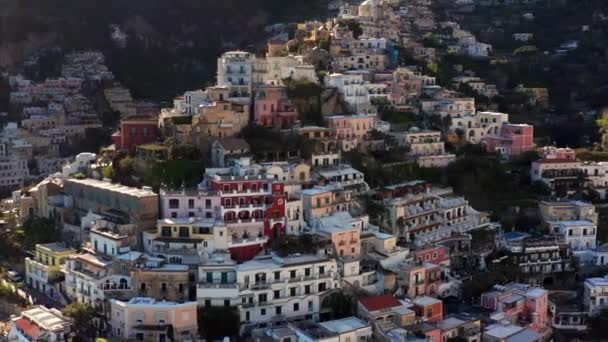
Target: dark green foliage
(597,325)
(341,304)
(353,26)
(83,316)
(589,155)
(182,120)
(268,143)
(288,244)
(173,173)
(39,230)
(185,151)
(92,141)
(215,323)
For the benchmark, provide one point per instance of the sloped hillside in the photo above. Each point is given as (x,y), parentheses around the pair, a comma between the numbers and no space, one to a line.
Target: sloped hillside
(172,45)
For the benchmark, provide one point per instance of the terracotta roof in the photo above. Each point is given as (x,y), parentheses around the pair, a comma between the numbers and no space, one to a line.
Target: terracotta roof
(29,328)
(556,161)
(375,303)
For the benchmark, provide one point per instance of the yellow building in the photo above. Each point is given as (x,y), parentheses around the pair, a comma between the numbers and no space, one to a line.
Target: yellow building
(43,271)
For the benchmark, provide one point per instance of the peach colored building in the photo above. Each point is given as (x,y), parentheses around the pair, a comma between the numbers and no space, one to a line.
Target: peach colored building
(344,232)
(273,108)
(323,201)
(424,278)
(143,318)
(351,126)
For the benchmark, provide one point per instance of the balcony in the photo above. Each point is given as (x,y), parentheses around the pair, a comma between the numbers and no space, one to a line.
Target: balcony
(110,288)
(211,290)
(257,240)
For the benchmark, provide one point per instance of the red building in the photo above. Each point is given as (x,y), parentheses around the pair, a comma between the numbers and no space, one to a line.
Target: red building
(253,210)
(428,308)
(136,130)
(436,255)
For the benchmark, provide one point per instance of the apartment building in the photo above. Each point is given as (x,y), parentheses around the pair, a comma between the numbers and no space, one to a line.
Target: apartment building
(345,329)
(85,279)
(386,308)
(136,130)
(519,303)
(538,258)
(235,71)
(138,207)
(424,214)
(13,173)
(43,270)
(176,204)
(180,240)
(322,201)
(595,296)
(407,85)
(353,89)
(161,279)
(580,235)
(448,106)
(145,319)
(273,108)
(269,289)
(512,140)
(344,177)
(40,324)
(426,146)
(476,126)
(343,230)
(562,176)
(428,308)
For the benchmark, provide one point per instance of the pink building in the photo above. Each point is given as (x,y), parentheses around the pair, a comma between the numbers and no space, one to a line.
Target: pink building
(512,140)
(517,303)
(273,108)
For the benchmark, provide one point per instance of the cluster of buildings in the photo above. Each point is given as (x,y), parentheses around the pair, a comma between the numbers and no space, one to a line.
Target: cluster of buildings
(563,174)
(278,241)
(50,116)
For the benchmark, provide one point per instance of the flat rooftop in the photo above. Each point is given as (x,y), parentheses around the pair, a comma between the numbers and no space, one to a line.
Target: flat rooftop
(345,325)
(56,247)
(114,187)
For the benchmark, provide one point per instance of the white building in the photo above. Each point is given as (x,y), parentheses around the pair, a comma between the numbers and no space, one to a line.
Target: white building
(40,324)
(580,235)
(13,173)
(353,88)
(269,288)
(235,71)
(475,127)
(344,176)
(595,297)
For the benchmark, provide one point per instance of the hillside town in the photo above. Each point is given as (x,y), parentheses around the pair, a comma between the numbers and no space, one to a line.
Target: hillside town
(330,188)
